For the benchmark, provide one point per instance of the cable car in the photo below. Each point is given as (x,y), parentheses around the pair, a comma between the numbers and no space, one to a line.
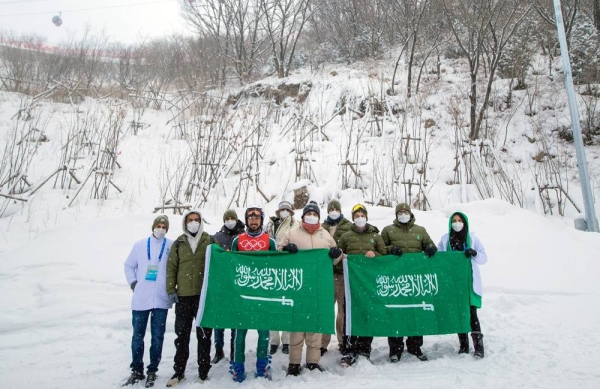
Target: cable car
(57,20)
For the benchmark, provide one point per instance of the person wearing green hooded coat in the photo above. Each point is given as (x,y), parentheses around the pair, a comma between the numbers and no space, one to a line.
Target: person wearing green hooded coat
(460,238)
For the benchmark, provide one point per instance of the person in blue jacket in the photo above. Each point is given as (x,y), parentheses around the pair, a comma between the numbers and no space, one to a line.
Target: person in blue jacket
(146,273)
(460,238)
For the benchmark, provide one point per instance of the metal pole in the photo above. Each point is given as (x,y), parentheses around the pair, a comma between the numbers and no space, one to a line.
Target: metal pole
(588,199)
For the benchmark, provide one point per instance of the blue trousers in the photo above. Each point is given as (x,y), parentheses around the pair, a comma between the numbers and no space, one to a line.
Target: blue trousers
(220,337)
(139,320)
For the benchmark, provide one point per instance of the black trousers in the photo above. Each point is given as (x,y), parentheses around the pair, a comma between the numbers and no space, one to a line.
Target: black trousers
(185,314)
(397,344)
(359,345)
(475,326)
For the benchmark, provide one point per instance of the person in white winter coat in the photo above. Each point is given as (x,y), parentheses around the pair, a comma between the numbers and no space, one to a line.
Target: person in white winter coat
(460,238)
(146,274)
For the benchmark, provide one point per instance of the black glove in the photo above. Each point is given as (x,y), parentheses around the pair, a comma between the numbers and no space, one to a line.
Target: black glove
(334,252)
(134,283)
(290,248)
(173,298)
(430,251)
(470,253)
(396,251)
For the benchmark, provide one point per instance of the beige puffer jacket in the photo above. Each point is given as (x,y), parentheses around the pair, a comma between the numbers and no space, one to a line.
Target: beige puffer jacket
(297,235)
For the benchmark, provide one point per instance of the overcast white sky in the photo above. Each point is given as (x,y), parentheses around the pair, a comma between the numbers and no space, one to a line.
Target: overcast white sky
(123,20)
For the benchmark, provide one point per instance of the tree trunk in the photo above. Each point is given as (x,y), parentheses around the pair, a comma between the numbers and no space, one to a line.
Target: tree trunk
(597,14)
(474,133)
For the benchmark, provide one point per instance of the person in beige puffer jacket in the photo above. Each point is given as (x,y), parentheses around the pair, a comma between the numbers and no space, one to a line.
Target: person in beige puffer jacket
(308,235)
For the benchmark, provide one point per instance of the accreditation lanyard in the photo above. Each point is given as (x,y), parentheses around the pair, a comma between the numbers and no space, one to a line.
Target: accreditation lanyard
(152,270)
(162,249)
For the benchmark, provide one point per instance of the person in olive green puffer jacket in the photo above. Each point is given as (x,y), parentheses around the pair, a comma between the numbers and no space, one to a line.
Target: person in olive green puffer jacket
(404,236)
(185,276)
(336,224)
(362,238)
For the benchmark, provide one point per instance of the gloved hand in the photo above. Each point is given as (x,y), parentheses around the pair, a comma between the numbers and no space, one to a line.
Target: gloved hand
(290,248)
(134,283)
(396,251)
(430,251)
(470,253)
(334,252)
(173,297)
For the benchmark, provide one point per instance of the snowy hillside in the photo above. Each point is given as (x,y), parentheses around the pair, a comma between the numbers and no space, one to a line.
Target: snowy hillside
(66,304)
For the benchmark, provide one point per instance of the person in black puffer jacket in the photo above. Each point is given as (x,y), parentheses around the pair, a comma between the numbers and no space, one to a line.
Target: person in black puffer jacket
(232,227)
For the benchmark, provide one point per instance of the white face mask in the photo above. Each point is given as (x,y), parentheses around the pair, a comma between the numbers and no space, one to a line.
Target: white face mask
(360,222)
(193,227)
(458,226)
(230,224)
(403,218)
(284,214)
(310,219)
(333,215)
(159,233)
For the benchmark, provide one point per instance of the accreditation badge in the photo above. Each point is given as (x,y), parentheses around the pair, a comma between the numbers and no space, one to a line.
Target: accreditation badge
(151,273)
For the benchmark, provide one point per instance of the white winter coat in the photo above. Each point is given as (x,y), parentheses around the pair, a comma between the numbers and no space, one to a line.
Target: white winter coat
(480,259)
(148,294)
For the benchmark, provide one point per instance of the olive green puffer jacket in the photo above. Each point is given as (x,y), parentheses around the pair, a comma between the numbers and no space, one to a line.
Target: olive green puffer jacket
(410,237)
(355,242)
(343,226)
(185,270)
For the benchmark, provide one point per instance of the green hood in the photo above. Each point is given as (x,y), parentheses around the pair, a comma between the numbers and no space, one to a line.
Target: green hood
(450,230)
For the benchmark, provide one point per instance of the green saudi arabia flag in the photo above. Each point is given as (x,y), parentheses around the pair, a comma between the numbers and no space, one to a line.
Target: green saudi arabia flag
(408,295)
(268,290)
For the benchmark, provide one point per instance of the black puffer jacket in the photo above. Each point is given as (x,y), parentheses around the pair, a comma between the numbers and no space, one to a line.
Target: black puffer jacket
(225,237)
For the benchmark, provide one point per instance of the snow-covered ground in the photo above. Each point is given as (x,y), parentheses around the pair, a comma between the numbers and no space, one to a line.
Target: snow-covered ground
(66,314)
(66,319)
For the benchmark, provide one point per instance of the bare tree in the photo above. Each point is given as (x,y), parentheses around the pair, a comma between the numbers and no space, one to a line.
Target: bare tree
(283,21)
(232,29)
(482,29)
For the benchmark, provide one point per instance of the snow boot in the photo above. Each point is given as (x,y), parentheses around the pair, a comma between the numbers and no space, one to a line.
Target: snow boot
(418,353)
(293,369)
(463,339)
(478,343)
(263,368)
(237,371)
(134,378)
(323,351)
(273,349)
(348,360)
(150,380)
(219,354)
(314,366)
(395,358)
(285,349)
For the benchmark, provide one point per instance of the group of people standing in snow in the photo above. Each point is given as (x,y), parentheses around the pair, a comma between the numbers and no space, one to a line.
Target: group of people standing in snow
(162,272)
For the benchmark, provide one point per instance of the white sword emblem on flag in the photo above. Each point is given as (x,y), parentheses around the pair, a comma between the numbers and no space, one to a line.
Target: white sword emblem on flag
(282,300)
(426,307)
